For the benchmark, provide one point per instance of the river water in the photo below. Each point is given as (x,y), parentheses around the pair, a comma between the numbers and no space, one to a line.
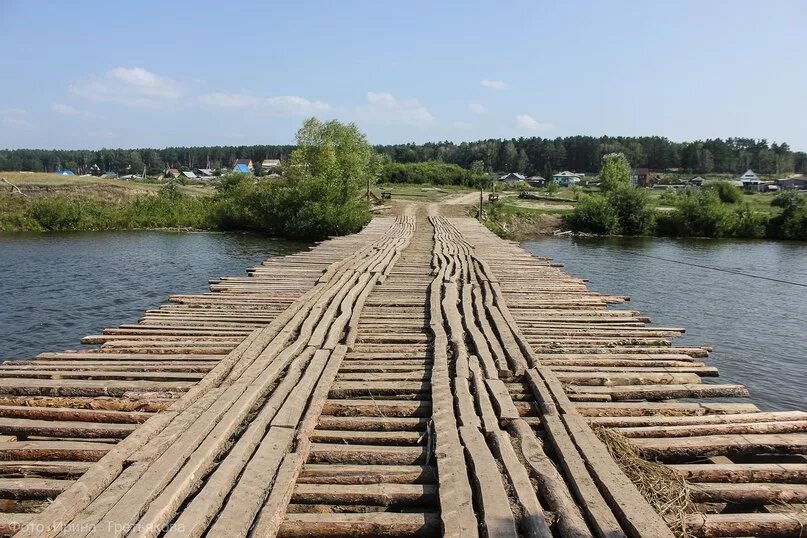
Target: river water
(757,327)
(58,287)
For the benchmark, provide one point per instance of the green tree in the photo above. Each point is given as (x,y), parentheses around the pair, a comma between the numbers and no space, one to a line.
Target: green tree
(615,172)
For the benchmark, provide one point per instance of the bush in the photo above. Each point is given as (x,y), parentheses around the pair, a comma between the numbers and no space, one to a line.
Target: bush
(594,214)
(431,172)
(698,214)
(632,206)
(792,222)
(789,200)
(625,210)
(728,193)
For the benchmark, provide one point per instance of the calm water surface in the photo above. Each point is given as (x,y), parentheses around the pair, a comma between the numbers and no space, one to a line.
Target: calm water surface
(56,288)
(758,328)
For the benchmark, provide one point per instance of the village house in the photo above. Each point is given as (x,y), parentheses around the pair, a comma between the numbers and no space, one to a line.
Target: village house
(189,174)
(173,172)
(536,181)
(793,183)
(566,178)
(640,177)
(512,177)
(750,182)
(270,165)
(243,166)
(205,173)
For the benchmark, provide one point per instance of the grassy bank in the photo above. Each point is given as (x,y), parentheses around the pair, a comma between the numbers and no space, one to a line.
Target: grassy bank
(717,211)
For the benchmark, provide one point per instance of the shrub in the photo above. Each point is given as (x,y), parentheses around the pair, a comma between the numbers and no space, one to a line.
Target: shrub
(431,172)
(749,223)
(632,207)
(594,214)
(728,193)
(792,222)
(698,214)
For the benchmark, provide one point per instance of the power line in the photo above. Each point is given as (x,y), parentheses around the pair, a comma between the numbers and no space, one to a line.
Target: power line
(731,271)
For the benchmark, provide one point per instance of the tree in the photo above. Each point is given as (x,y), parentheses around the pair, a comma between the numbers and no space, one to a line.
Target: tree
(615,172)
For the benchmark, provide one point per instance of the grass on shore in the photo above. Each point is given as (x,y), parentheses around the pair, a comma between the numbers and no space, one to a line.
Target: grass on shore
(421,193)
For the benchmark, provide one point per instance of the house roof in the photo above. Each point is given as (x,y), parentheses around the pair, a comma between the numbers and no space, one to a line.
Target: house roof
(173,171)
(205,171)
(566,173)
(512,175)
(271,162)
(241,167)
(189,175)
(535,178)
(243,161)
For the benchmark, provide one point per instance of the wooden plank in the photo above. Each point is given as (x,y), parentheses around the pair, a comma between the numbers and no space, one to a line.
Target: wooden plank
(494,504)
(361,525)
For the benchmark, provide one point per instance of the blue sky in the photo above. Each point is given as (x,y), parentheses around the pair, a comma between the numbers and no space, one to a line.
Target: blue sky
(90,74)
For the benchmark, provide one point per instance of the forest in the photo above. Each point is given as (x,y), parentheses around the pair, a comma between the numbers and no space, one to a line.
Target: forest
(532,156)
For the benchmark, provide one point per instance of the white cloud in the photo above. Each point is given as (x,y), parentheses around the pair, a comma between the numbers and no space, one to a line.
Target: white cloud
(476,108)
(385,108)
(14,118)
(130,86)
(462,125)
(67,110)
(494,84)
(282,104)
(527,122)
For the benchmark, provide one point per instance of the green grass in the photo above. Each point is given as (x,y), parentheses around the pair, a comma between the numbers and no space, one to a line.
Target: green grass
(417,192)
(39,181)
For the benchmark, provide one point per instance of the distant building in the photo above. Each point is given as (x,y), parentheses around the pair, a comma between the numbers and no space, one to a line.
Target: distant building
(64,172)
(246,162)
(173,172)
(270,164)
(566,178)
(751,182)
(640,177)
(512,177)
(536,181)
(241,168)
(204,173)
(798,183)
(189,175)
(697,181)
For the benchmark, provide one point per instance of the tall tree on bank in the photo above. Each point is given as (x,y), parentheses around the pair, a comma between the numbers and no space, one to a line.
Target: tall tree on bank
(615,172)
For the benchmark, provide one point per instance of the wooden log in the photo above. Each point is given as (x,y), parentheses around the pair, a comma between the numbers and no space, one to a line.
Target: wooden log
(317,473)
(749,494)
(32,488)
(772,524)
(569,520)
(531,519)
(791,473)
(397,495)
(692,430)
(496,515)
(347,525)
(668,449)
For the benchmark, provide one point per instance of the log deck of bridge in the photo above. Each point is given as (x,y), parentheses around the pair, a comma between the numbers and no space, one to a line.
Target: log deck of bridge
(422,377)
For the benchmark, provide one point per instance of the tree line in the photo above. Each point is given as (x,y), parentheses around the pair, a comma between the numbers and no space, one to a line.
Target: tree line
(531,156)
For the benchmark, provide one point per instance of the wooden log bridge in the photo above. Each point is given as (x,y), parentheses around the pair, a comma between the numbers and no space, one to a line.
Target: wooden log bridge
(422,377)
